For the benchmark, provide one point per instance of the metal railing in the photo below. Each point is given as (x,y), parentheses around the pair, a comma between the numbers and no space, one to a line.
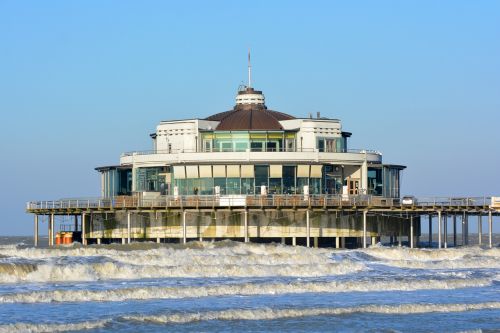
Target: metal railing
(207,201)
(232,150)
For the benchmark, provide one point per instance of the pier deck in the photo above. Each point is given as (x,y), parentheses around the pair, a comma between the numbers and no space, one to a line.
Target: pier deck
(368,209)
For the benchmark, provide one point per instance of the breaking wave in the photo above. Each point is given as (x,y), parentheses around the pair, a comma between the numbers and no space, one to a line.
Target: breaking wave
(39,328)
(269,314)
(199,260)
(246,289)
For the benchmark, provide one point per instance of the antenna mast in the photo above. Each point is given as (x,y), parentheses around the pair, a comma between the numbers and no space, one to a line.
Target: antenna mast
(249,71)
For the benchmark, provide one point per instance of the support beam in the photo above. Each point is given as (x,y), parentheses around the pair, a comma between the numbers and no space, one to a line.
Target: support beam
(463,229)
(364,228)
(316,242)
(480,229)
(35,235)
(454,230)
(466,228)
(84,230)
(246,226)
(184,234)
(51,236)
(374,240)
(294,241)
(400,237)
(128,227)
(337,242)
(490,228)
(439,229)
(411,233)
(445,231)
(430,230)
(308,230)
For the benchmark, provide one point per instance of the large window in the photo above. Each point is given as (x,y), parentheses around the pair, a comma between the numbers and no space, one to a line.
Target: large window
(375,181)
(261,177)
(150,179)
(227,141)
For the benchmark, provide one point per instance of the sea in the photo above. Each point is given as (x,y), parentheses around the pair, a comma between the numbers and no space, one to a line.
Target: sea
(230,286)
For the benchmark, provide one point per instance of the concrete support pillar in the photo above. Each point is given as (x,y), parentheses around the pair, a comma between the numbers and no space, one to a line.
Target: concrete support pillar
(315,242)
(184,234)
(454,230)
(337,242)
(342,242)
(490,229)
(364,228)
(480,229)
(412,237)
(158,240)
(430,230)
(51,235)
(400,237)
(466,228)
(283,240)
(246,226)
(439,229)
(294,241)
(84,230)
(374,240)
(308,230)
(35,234)
(98,241)
(124,241)
(463,229)
(445,231)
(128,227)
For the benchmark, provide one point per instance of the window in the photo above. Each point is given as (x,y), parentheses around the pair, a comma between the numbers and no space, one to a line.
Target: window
(257,146)
(207,145)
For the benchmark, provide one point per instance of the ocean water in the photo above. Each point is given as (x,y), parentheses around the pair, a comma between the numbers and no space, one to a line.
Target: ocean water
(229,286)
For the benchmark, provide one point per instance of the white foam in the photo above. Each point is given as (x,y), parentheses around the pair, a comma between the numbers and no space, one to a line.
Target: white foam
(269,314)
(35,328)
(452,258)
(248,289)
(206,260)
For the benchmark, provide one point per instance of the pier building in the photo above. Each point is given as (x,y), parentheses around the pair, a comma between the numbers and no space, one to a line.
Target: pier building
(252,174)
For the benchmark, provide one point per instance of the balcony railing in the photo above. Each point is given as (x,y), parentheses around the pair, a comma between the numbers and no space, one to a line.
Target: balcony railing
(212,201)
(231,150)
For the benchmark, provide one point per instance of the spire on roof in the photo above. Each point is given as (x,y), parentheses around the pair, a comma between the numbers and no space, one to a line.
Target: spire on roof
(249,71)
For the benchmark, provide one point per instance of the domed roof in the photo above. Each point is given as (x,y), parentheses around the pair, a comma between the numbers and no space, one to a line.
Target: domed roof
(249,113)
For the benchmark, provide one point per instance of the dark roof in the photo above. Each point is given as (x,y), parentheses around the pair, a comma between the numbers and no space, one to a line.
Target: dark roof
(249,117)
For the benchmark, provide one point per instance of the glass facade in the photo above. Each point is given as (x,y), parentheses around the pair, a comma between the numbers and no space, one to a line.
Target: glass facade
(248,179)
(375,184)
(287,183)
(333,179)
(150,179)
(331,145)
(391,182)
(116,182)
(228,141)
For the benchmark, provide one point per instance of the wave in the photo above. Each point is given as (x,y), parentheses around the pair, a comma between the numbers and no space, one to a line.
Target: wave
(455,258)
(221,259)
(244,289)
(270,314)
(200,260)
(39,328)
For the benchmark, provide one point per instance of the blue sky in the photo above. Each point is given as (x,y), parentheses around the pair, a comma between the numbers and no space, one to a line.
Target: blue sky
(83,81)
